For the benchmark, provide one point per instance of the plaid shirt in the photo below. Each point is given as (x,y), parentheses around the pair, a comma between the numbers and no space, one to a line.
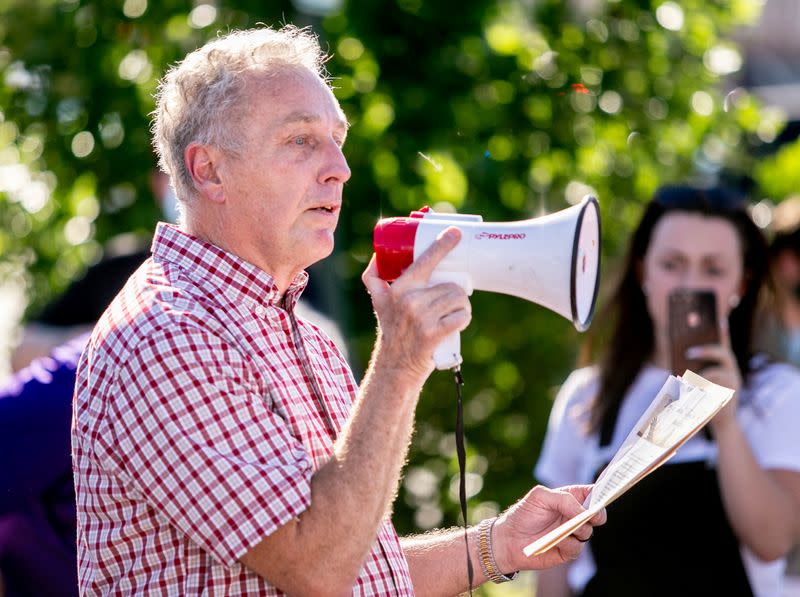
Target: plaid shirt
(196,430)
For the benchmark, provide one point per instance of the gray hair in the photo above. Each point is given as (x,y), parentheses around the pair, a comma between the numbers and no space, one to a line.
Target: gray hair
(200,99)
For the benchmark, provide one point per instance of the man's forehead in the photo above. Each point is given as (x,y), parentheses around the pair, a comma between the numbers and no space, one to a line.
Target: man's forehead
(296,96)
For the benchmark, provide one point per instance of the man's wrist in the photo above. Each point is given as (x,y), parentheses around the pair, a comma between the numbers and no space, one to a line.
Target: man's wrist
(399,375)
(486,555)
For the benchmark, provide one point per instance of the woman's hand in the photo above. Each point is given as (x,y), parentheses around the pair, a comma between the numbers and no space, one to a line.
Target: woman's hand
(724,372)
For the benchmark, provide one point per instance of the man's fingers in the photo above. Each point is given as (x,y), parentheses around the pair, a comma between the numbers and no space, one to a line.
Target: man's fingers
(570,548)
(583,533)
(445,306)
(560,500)
(456,321)
(599,518)
(374,284)
(420,271)
(579,492)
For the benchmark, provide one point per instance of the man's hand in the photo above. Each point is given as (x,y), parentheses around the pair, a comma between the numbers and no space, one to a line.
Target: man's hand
(414,318)
(539,512)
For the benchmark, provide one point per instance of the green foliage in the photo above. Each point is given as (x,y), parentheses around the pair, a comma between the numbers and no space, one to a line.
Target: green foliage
(508,109)
(778,176)
(78,86)
(532,106)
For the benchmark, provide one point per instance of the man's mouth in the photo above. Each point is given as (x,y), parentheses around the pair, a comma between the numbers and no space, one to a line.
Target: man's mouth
(332,208)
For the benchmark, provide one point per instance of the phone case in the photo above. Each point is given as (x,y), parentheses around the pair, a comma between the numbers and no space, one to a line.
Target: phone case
(692,322)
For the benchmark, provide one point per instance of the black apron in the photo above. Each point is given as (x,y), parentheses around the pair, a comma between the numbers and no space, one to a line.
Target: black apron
(667,536)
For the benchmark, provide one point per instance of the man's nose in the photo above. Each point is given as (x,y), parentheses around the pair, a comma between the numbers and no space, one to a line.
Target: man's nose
(335,168)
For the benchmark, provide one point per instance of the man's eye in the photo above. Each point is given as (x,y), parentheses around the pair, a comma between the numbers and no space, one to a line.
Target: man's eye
(299,140)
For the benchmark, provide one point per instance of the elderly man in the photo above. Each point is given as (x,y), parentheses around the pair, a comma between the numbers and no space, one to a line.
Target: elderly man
(221,446)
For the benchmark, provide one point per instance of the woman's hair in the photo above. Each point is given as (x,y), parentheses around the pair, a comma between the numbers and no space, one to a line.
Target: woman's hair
(200,99)
(629,341)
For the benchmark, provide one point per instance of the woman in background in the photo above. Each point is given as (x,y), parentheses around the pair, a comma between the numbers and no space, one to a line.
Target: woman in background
(720,517)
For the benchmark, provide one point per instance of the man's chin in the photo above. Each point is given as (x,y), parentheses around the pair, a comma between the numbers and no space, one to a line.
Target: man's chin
(323,245)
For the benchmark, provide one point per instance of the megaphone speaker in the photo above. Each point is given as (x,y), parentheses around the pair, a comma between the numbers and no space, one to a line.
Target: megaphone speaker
(553,260)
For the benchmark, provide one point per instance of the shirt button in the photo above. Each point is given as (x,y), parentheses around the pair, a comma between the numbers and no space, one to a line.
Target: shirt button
(260,311)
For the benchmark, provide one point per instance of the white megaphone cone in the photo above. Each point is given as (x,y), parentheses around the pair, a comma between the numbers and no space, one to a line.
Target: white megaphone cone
(553,260)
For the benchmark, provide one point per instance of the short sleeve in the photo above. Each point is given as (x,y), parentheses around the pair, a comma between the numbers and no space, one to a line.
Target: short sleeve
(566,440)
(775,418)
(195,438)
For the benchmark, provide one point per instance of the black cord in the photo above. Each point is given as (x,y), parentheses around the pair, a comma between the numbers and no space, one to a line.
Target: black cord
(462,460)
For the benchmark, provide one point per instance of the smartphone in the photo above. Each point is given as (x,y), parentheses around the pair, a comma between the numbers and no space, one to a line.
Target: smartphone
(692,322)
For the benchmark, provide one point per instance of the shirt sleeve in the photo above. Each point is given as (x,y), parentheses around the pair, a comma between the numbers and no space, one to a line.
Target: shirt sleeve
(195,438)
(566,441)
(776,418)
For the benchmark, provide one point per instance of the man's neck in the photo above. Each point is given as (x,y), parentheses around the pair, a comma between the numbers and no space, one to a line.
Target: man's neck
(213,234)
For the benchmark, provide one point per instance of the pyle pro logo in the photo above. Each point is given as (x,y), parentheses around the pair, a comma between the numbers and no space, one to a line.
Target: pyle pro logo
(495,236)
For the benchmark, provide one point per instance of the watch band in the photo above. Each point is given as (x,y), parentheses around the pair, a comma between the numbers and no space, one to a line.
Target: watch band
(488,563)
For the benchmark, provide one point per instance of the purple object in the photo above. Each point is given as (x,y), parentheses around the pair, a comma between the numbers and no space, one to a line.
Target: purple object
(37,499)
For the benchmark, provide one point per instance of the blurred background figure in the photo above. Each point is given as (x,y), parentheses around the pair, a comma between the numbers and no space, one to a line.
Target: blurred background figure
(76,311)
(37,505)
(780,335)
(37,501)
(725,511)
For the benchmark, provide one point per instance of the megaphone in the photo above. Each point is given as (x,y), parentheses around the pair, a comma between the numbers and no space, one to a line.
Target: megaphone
(553,260)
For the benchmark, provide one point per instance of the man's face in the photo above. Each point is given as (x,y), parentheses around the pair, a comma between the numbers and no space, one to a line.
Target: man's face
(284,193)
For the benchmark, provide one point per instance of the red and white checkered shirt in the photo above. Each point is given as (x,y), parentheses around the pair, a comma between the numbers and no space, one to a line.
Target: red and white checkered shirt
(196,430)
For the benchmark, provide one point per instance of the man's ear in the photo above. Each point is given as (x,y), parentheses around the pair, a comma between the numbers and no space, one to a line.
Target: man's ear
(203,162)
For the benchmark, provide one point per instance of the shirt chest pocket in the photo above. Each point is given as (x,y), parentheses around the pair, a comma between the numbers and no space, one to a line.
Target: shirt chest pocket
(296,403)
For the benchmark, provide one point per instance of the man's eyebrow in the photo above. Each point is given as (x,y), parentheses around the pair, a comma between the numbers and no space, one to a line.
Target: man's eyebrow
(299,116)
(308,117)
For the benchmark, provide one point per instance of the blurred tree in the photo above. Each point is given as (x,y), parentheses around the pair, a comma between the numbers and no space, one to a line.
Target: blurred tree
(76,160)
(505,108)
(512,109)
(778,175)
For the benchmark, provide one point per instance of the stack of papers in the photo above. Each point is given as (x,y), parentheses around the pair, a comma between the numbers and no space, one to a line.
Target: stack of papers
(680,409)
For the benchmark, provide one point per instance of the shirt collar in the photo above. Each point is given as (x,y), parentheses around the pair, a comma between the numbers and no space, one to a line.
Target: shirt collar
(210,266)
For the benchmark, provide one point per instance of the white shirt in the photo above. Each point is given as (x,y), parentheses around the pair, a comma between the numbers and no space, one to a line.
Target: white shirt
(768,412)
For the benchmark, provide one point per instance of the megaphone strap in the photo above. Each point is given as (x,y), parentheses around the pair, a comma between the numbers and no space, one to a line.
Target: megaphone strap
(462,468)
